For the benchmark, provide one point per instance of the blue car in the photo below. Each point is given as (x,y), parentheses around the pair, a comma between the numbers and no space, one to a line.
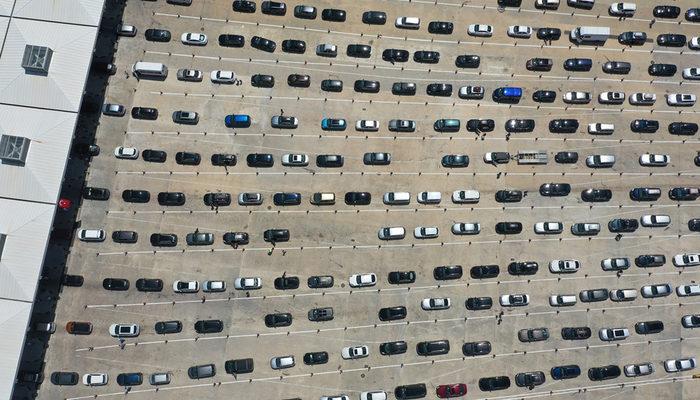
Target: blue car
(130,379)
(566,372)
(237,121)
(333,124)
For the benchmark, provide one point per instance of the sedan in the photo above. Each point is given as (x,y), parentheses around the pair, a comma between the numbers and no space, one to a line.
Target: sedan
(688,290)
(433,348)
(612,334)
(354,352)
(316,358)
(440,303)
(295,160)
(366,86)
(480,30)
(519,31)
(426,57)
(466,228)
(604,373)
(623,225)
(455,161)
(263,44)
(680,364)
(640,369)
(284,122)
(494,383)
(671,40)
(278,320)
(189,75)
(247,283)
(366,125)
(114,110)
(124,330)
(299,80)
(392,313)
(447,272)
(363,280)
(576,333)
(660,69)
(282,362)
(449,391)
(377,158)
(185,286)
(555,189)
(617,67)
(476,348)
(529,379)
(171,198)
(564,266)
(680,99)
(392,348)
(687,260)
(596,195)
(220,76)
(127,153)
(194,39)
(577,97)
(611,98)
(549,228)
(426,232)
(691,73)
(514,300)
(691,321)
(95,379)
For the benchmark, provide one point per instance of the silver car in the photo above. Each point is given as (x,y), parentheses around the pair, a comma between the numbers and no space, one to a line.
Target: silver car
(113,110)
(250,199)
(189,75)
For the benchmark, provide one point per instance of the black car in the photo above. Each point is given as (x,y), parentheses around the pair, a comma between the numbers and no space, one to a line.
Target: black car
(321,314)
(623,225)
(455,161)
(683,128)
(245,6)
(157,156)
(630,38)
(359,50)
(563,125)
(555,189)
(426,57)
(278,320)
(262,81)
(529,379)
(65,378)
(294,46)
(305,12)
(86,150)
(596,195)
(578,64)
(187,158)
(329,160)
(520,125)
(260,160)
(478,303)
(484,271)
(276,235)
(171,198)
(392,313)
(136,196)
(403,88)
(694,224)
(414,391)
(671,40)
(286,282)
(395,55)
(645,194)
(509,228)
(358,198)
(130,379)
(366,86)
(617,67)
(332,85)
(95,193)
(263,44)
(286,199)
(168,327)
(660,69)
(523,268)
(201,371)
(683,194)
(649,327)
(374,17)
(439,89)
(400,277)
(604,373)
(494,383)
(223,160)
(273,8)
(391,348)
(692,15)
(440,27)
(666,11)
(125,236)
(576,333)
(644,126)
(548,34)
(539,64)
(509,196)
(480,125)
(149,285)
(320,281)
(650,260)
(299,80)
(72,280)
(115,284)
(163,239)
(315,358)
(433,347)
(157,35)
(566,157)
(218,199)
(236,238)
(476,348)
(544,96)
(467,61)
(148,113)
(230,40)
(446,272)
(333,14)
(209,326)
(239,366)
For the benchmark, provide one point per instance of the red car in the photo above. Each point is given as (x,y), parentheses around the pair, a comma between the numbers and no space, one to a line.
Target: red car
(454,390)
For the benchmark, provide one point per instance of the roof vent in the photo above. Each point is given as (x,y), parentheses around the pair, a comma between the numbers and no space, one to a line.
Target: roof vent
(13,149)
(36,59)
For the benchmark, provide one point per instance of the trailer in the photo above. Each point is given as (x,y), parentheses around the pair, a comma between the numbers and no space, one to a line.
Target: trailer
(532,157)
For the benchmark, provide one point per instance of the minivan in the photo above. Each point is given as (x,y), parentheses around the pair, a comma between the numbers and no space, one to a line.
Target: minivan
(237,121)
(397,198)
(321,199)
(149,70)
(507,94)
(407,22)
(447,125)
(91,235)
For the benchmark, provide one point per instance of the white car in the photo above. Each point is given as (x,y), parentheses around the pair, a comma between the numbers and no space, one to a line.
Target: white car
(585,228)
(373,395)
(549,228)
(623,294)
(185,286)
(641,369)
(91,235)
(688,290)
(282,362)
(694,43)
(367,125)
(391,233)
(213,286)
(426,232)
(680,99)
(338,397)
(429,197)
(645,99)
(657,290)
(615,264)
(519,31)
(564,266)
(611,98)
(655,220)
(549,4)
(221,76)
(691,321)
(465,196)
(654,160)
(480,30)
(680,364)
(194,39)
(562,300)
(295,160)
(622,9)
(284,122)
(466,228)
(127,153)
(598,128)
(124,330)
(363,280)
(96,379)
(600,161)
(436,303)
(686,260)
(611,334)
(691,73)
(407,22)
(511,300)
(577,97)
(353,352)
(248,283)
(189,75)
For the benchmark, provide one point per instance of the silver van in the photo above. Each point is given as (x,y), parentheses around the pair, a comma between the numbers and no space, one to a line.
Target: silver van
(150,70)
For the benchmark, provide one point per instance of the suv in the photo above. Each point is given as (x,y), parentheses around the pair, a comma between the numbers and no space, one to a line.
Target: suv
(217,199)
(239,366)
(321,314)
(403,89)
(125,236)
(392,313)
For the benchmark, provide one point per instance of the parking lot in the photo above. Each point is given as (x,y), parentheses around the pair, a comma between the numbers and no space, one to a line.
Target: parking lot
(341,240)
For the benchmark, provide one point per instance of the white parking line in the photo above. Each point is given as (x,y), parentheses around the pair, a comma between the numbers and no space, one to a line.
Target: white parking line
(417,173)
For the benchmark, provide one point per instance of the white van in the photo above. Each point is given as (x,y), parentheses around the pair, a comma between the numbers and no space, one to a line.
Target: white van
(429,197)
(600,161)
(392,233)
(149,70)
(91,235)
(601,129)
(397,198)
(321,199)
(622,9)
(408,22)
